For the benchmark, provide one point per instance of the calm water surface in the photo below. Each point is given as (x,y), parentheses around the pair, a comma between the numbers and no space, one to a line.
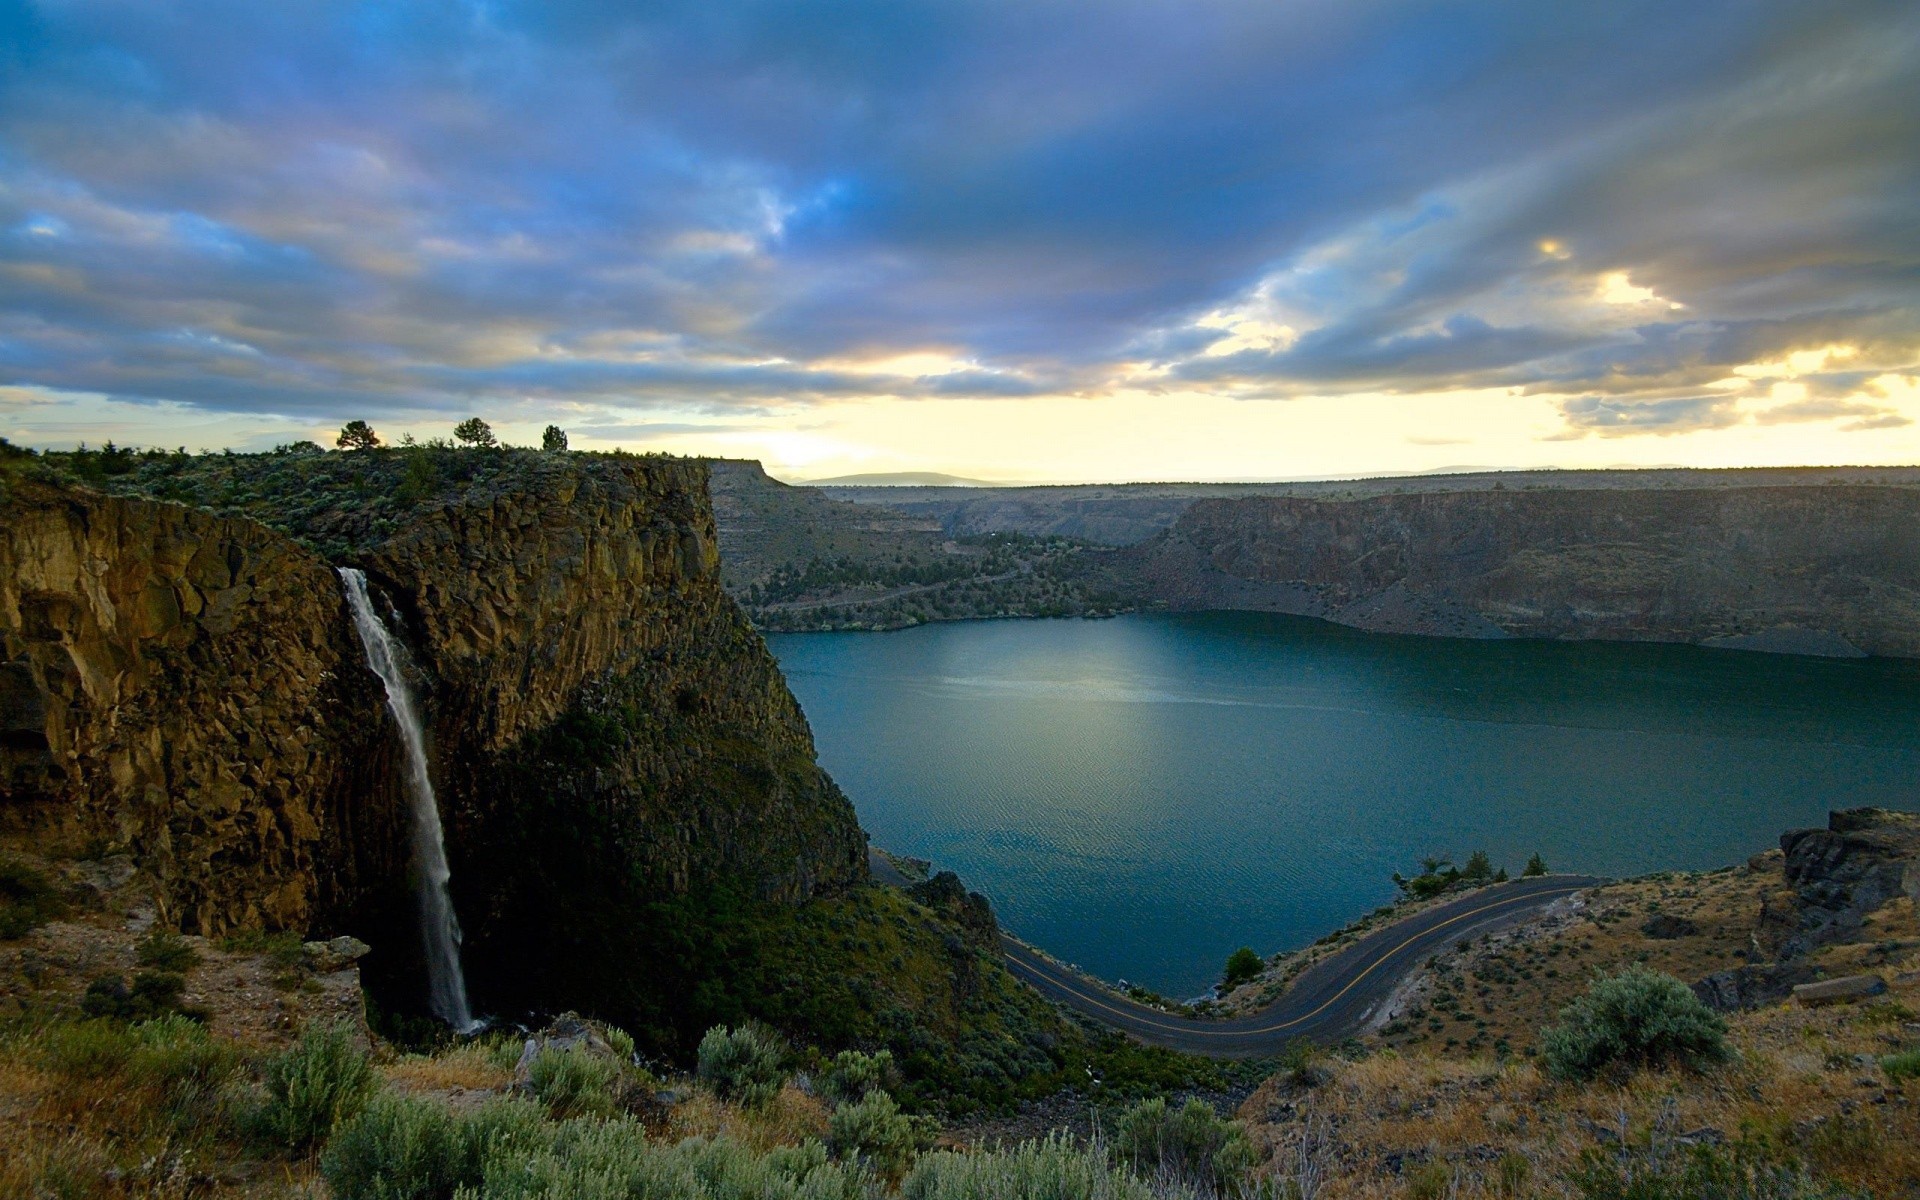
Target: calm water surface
(1142,795)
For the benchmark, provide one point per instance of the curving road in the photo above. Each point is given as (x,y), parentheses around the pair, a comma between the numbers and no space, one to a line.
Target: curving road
(1331,1000)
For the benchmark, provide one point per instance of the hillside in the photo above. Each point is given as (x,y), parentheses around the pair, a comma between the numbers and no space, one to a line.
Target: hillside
(1122,514)
(1824,569)
(634,820)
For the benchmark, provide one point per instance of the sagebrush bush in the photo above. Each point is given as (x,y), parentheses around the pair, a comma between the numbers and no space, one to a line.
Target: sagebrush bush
(314,1085)
(745,1064)
(1192,1144)
(403,1149)
(855,1073)
(1055,1169)
(576,1083)
(874,1131)
(165,951)
(614,1160)
(28,899)
(1636,1018)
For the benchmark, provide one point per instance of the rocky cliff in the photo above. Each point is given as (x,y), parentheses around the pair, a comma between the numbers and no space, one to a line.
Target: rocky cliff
(1813,568)
(187,687)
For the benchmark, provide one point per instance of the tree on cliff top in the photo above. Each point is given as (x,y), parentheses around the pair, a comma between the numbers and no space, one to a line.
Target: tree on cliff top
(554,440)
(357,435)
(475,433)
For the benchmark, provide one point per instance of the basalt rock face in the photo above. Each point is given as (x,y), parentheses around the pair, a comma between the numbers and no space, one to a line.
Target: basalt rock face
(609,730)
(185,687)
(606,730)
(1841,562)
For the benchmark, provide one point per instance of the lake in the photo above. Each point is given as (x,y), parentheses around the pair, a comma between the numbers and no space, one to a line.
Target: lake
(1142,795)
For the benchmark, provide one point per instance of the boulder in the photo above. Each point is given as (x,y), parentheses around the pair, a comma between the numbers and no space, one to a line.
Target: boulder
(324,958)
(1864,858)
(1666,927)
(1751,987)
(1844,990)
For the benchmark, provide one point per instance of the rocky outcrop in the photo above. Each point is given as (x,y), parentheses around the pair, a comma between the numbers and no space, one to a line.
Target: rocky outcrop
(184,687)
(607,731)
(1814,566)
(1835,878)
(1861,860)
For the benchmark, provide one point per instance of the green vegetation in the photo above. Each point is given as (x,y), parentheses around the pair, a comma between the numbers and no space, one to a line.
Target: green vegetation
(1902,1066)
(1535,866)
(745,1064)
(854,1074)
(400,1149)
(1746,1170)
(874,1132)
(476,434)
(1438,875)
(1243,964)
(576,1082)
(164,951)
(312,1087)
(1055,1168)
(357,435)
(553,440)
(27,900)
(1190,1144)
(152,994)
(337,504)
(1635,1018)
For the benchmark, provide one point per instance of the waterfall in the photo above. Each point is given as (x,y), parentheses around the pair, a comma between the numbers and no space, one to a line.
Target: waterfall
(439,928)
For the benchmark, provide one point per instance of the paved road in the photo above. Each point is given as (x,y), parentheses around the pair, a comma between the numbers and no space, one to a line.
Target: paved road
(1332,1000)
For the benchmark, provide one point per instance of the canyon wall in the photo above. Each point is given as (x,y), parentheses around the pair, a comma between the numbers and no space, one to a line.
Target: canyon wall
(1822,569)
(184,686)
(606,728)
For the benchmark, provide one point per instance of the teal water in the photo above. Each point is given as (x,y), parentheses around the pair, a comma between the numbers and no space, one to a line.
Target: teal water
(1142,795)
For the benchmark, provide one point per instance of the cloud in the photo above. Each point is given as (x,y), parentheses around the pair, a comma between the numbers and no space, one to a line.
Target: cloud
(1613,417)
(426,208)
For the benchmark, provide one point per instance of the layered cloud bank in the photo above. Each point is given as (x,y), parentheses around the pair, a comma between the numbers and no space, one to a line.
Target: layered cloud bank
(1047,239)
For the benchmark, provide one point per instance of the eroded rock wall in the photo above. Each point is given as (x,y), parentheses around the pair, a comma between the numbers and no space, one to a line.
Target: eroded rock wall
(182,687)
(1648,564)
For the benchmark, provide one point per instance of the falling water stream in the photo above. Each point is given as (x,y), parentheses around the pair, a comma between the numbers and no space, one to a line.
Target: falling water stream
(439,928)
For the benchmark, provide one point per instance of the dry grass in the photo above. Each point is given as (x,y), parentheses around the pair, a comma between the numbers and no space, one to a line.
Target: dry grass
(790,1118)
(472,1067)
(1807,1087)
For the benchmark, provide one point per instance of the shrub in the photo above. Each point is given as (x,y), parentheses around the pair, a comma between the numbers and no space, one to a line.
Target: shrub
(153,994)
(165,951)
(575,1083)
(1192,1144)
(403,1149)
(854,1074)
(1479,867)
(1635,1018)
(1431,1182)
(876,1132)
(745,1064)
(1904,1065)
(184,1064)
(313,1086)
(1243,964)
(1055,1169)
(1535,866)
(613,1160)
(27,900)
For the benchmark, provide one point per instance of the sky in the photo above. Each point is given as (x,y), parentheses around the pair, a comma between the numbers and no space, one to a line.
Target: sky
(1018,240)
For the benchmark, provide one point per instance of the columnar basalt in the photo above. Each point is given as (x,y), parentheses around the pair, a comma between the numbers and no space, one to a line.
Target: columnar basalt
(188,687)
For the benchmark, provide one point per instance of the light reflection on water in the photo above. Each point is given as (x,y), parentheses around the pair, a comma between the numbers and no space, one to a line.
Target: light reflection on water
(1144,794)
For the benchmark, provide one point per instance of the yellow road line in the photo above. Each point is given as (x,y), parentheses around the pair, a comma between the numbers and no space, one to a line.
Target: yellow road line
(1199,1028)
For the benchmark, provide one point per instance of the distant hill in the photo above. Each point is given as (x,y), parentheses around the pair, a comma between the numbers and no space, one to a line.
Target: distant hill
(899,479)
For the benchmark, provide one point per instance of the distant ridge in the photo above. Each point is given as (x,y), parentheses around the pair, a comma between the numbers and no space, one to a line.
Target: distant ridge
(898,479)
